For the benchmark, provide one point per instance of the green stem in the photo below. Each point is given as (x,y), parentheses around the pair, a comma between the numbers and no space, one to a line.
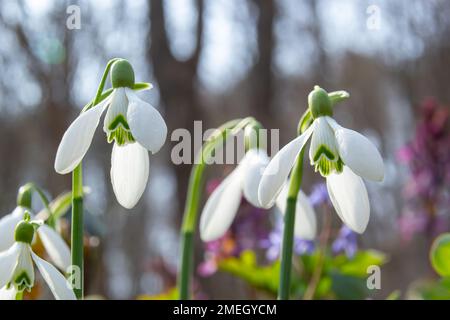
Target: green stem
(100,95)
(77,231)
(77,205)
(288,230)
(188,229)
(50,219)
(102,82)
(193,202)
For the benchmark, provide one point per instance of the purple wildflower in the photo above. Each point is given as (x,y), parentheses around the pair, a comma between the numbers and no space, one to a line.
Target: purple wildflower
(428,159)
(273,243)
(345,242)
(319,195)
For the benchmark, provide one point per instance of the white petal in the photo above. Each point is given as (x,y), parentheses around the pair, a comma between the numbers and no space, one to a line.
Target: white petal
(118,106)
(8,261)
(256,162)
(146,123)
(277,171)
(349,197)
(305,216)
(221,207)
(77,139)
(323,135)
(7,226)
(129,173)
(55,246)
(8,294)
(358,153)
(55,280)
(24,265)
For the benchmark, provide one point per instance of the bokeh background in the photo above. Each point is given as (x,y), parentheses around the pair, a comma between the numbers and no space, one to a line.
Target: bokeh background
(215,60)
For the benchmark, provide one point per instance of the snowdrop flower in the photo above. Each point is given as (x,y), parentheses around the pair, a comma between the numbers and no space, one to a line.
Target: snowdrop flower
(132,124)
(54,244)
(17,270)
(305,217)
(341,155)
(223,204)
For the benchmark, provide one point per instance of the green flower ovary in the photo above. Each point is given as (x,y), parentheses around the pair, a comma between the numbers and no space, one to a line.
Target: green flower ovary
(326,162)
(119,130)
(24,232)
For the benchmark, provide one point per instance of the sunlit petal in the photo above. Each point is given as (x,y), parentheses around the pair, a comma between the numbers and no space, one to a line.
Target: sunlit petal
(118,107)
(55,280)
(23,275)
(7,225)
(8,294)
(305,216)
(146,123)
(129,173)
(55,246)
(256,162)
(358,153)
(221,207)
(77,139)
(349,197)
(8,261)
(277,171)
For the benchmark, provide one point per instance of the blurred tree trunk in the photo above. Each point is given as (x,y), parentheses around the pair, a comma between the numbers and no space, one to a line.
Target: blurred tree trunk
(177,82)
(53,113)
(322,71)
(262,75)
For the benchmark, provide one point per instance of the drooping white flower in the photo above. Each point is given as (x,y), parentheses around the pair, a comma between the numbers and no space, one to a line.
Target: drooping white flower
(54,244)
(17,270)
(132,124)
(342,156)
(305,226)
(223,204)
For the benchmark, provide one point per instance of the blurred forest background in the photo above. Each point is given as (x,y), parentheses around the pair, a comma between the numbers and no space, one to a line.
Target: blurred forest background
(215,60)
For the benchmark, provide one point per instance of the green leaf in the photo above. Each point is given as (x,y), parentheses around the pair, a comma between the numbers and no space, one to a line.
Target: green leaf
(310,262)
(357,266)
(170,294)
(431,290)
(394,295)
(246,268)
(440,255)
(323,287)
(347,287)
